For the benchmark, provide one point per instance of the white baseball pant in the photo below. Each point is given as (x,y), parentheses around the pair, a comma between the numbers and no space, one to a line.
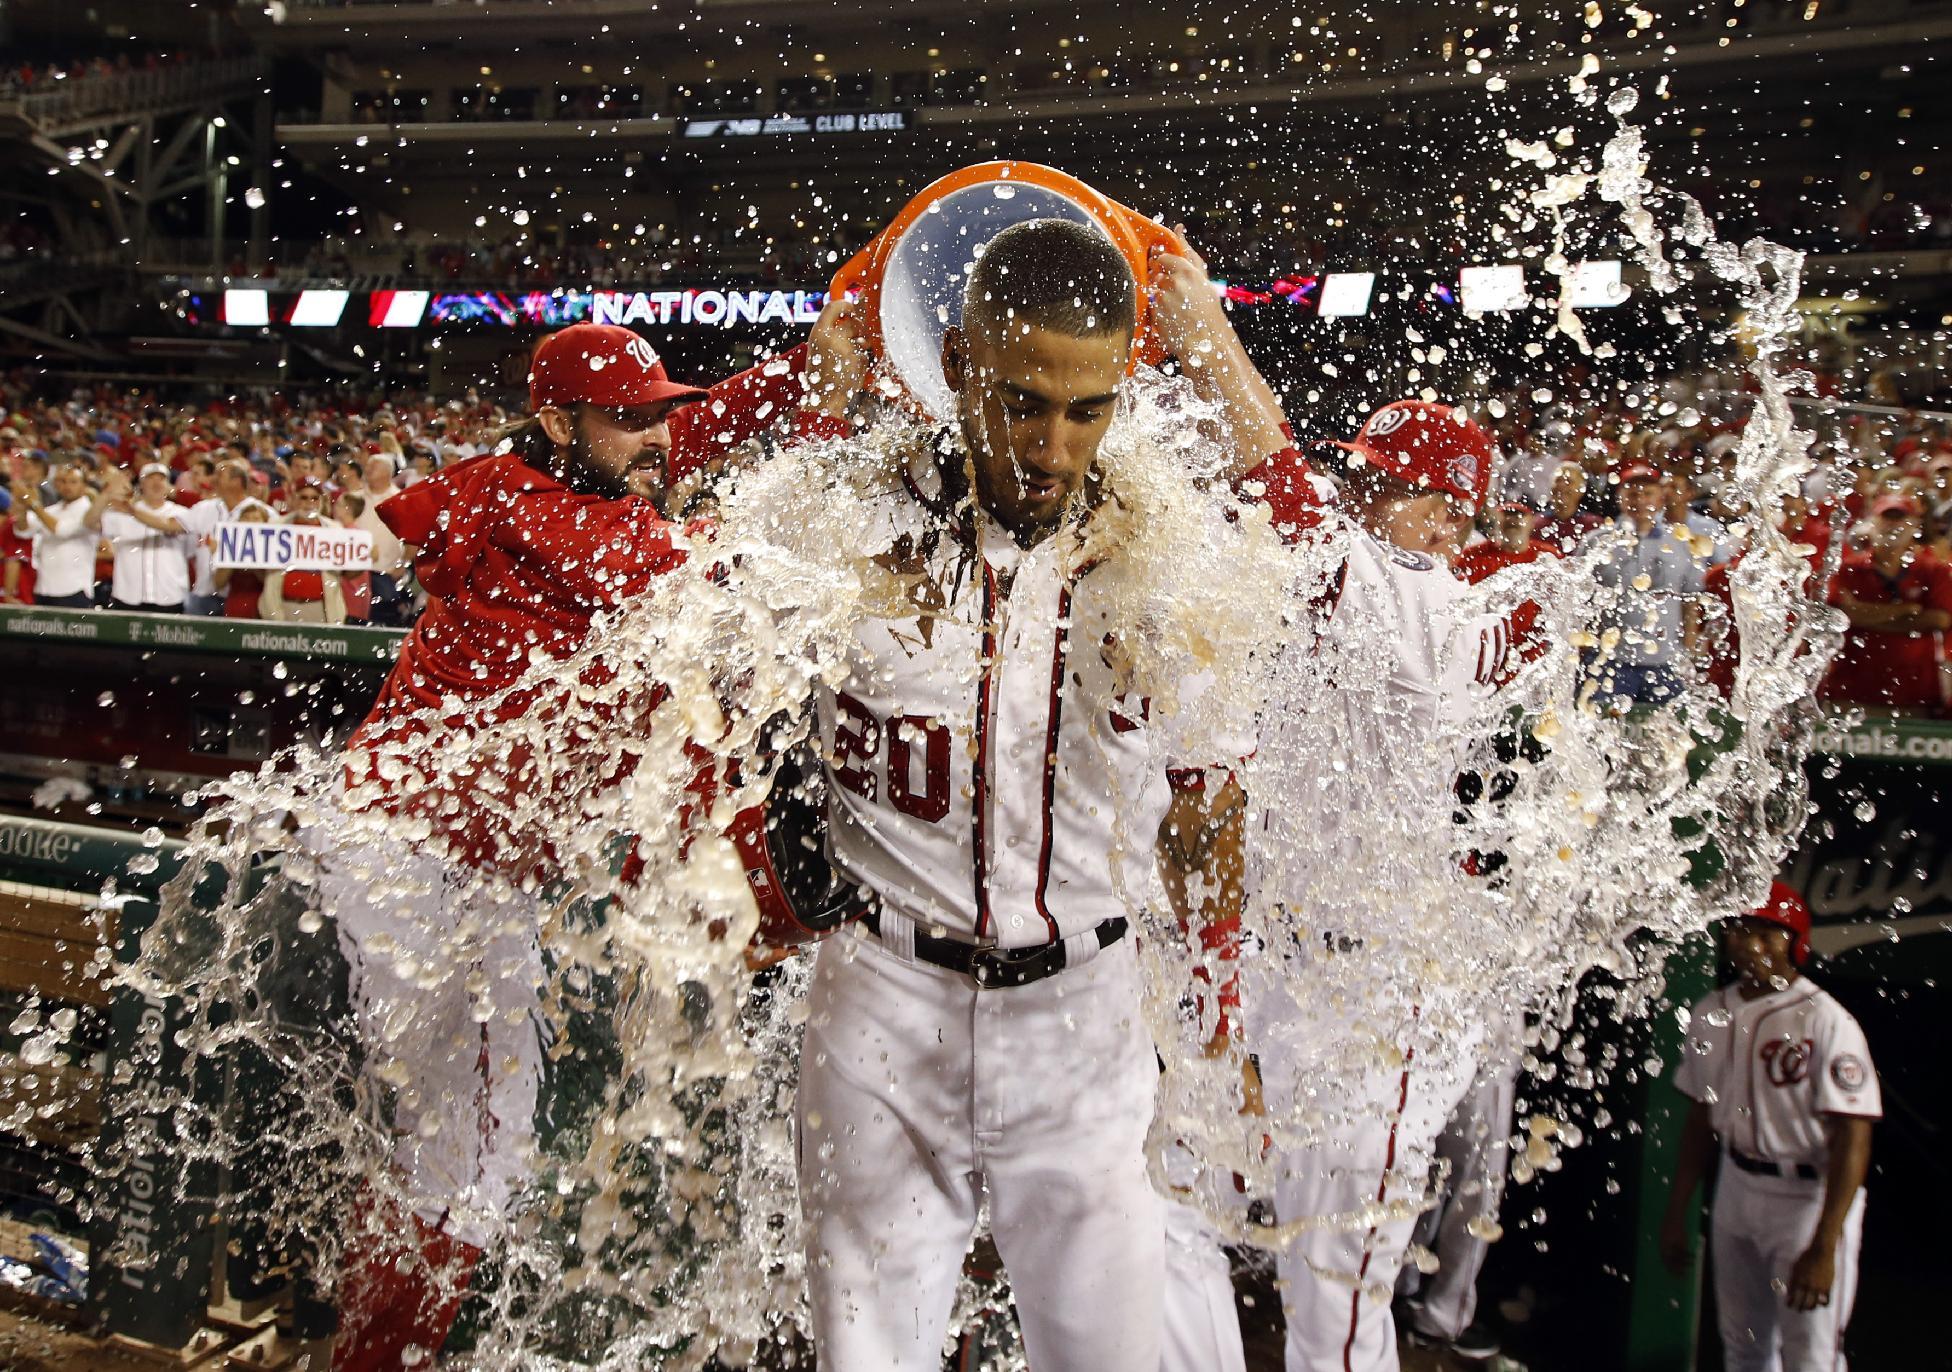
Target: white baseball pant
(1758,1228)
(446,992)
(1202,1326)
(918,1093)
(1337,1279)
(1476,1150)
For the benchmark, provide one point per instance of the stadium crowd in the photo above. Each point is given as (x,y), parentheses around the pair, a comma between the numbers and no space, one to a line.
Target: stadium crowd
(112,500)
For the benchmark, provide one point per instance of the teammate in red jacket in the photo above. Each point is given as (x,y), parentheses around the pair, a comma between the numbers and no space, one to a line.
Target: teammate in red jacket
(518,551)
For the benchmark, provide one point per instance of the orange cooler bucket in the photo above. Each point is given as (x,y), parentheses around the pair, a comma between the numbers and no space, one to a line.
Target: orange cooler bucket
(909,281)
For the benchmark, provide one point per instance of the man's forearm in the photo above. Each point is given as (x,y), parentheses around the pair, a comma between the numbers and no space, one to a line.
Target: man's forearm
(1891,618)
(1843,1178)
(1697,1148)
(1222,373)
(161,523)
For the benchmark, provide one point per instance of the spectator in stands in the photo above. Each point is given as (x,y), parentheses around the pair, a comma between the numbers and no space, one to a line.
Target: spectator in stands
(1936,473)
(304,596)
(1565,523)
(17,546)
(152,548)
(198,480)
(240,586)
(1686,510)
(229,487)
(389,553)
(348,476)
(1510,537)
(1533,469)
(358,586)
(1898,595)
(1654,619)
(34,472)
(422,462)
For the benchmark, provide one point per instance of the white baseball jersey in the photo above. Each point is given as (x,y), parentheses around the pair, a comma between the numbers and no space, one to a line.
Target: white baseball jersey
(1410,664)
(983,784)
(1770,1069)
(151,567)
(1444,659)
(64,556)
(200,522)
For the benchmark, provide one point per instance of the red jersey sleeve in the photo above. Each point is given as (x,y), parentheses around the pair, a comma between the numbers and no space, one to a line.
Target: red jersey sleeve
(599,552)
(737,409)
(1283,482)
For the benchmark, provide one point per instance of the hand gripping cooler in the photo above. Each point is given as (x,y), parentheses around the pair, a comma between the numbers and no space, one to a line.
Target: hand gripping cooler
(909,281)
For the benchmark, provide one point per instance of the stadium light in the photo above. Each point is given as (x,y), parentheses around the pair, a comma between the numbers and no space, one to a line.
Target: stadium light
(318,309)
(398,309)
(1597,286)
(1346,294)
(1486,290)
(247,308)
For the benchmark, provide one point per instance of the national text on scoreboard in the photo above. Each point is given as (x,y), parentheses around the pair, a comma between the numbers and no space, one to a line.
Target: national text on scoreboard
(697,307)
(1480,290)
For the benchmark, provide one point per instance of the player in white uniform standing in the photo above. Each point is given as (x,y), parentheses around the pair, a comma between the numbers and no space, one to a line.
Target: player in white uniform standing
(981,1034)
(1411,662)
(1474,1151)
(1781,1077)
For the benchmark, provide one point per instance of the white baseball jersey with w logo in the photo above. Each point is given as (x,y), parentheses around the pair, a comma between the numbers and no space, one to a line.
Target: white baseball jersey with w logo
(1771,1068)
(985,783)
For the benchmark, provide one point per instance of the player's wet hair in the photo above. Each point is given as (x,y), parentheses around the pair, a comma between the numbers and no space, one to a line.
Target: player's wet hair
(1054,274)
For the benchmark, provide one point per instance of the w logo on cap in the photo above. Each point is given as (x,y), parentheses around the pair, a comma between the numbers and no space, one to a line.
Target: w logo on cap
(1388,421)
(641,351)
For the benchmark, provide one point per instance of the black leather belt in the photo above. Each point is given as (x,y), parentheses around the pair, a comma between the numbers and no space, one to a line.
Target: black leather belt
(1762,1168)
(994,967)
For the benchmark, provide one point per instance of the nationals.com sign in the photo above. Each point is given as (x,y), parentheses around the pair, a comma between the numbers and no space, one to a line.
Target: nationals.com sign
(293,548)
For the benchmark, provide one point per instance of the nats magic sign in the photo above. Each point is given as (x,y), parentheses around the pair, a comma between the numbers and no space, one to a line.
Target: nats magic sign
(293,548)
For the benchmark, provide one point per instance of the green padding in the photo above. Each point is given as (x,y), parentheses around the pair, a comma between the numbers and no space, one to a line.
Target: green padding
(150,1233)
(1664,1311)
(77,857)
(196,634)
(1889,738)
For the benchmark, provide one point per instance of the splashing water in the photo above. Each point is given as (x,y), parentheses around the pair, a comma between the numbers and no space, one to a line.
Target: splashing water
(554,857)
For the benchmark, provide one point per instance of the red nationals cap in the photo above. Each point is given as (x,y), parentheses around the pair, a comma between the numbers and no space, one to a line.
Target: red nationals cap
(601,364)
(1639,471)
(1427,445)
(1786,907)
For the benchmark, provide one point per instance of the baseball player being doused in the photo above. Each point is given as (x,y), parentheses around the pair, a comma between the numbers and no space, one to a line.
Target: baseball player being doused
(518,550)
(981,1034)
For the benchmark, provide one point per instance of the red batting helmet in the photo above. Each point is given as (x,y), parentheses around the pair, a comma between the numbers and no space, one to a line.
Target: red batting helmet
(600,364)
(1427,445)
(1786,908)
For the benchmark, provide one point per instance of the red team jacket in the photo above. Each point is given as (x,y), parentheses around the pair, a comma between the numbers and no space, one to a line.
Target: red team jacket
(515,564)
